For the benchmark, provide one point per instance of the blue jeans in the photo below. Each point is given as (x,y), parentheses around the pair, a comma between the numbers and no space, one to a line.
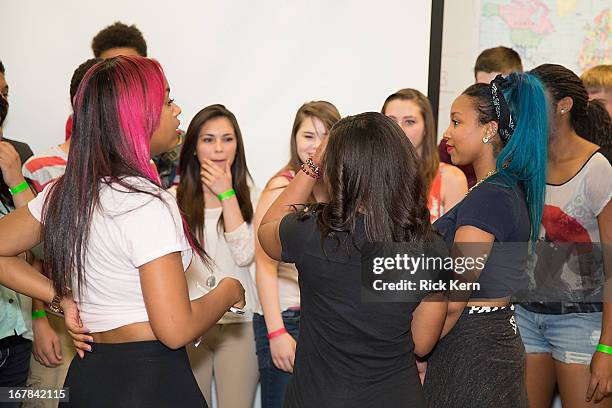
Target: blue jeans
(15,354)
(570,338)
(273,380)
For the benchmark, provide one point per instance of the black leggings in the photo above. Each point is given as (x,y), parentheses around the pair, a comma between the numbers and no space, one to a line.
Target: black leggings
(479,364)
(139,374)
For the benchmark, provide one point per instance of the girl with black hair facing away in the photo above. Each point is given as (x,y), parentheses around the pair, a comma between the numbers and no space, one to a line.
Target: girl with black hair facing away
(216,197)
(277,330)
(114,239)
(353,353)
(569,338)
(446,184)
(501,130)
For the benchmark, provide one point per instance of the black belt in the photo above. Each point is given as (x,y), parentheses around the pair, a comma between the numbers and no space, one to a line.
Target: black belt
(562,308)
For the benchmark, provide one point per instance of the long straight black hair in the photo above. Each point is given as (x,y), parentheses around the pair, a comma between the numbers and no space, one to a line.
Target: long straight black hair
(117,109)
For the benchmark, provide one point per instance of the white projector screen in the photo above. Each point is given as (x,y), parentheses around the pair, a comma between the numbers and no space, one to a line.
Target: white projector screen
(261,59)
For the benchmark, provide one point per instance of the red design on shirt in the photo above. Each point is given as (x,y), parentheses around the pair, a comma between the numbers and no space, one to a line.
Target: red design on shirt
(561,227)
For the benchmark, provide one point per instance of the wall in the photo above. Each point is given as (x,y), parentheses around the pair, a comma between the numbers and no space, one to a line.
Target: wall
(261,59)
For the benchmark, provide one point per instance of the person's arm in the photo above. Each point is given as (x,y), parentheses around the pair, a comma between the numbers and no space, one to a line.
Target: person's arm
(282,347)
(22,199)
(219,181)
(10,167)
(18,275)
(454,187)
(470,242)
(600,385)
(427,323)
(241,241)
(297,191)
(174,319)
(20,231)
(46,347)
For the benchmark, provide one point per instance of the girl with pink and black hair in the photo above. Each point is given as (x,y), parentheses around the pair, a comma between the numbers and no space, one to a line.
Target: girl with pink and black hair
(115,241)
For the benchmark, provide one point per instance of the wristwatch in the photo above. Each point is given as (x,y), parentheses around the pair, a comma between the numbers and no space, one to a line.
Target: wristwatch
(54,306)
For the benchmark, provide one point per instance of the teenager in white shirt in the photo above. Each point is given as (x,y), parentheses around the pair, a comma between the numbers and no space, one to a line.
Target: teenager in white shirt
(114,239)
(216,197)
(277,330)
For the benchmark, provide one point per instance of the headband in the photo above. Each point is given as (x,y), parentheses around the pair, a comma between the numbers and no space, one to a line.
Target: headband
(506,123)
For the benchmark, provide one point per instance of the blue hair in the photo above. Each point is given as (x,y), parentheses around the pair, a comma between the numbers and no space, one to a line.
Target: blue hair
(524,158)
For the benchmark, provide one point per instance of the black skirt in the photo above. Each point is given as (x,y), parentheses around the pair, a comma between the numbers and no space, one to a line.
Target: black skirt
(479,363)
(139,374)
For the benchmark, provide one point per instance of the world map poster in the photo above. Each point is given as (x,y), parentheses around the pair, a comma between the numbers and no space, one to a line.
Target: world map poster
(573,33)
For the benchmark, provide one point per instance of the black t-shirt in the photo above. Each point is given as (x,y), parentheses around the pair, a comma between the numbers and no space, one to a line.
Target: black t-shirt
(349,353)
(499,207)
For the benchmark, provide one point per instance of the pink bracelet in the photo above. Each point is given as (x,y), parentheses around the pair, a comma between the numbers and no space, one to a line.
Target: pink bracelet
(276,333)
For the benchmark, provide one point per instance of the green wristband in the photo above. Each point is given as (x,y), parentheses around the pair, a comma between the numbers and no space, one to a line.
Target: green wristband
(229,193)
(38,313)
(604,349)
(19,188)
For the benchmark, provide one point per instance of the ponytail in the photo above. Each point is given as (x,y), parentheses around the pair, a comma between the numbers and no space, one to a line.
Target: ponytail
(521,112)
(598,128)
(524,157)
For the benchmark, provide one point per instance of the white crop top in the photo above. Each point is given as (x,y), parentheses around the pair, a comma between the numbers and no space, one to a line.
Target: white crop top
(127,231)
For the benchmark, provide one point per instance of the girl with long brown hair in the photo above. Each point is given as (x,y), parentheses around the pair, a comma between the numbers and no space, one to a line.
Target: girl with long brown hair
(216,197)
(276,331)
(447,185)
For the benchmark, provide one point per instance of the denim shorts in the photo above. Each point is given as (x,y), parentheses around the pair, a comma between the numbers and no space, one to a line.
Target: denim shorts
(570,338)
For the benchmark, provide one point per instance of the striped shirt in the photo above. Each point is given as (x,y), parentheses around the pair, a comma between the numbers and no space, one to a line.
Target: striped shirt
(46,167)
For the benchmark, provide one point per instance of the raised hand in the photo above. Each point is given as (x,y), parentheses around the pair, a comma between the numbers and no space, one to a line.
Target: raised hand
(10,165)
(217,179)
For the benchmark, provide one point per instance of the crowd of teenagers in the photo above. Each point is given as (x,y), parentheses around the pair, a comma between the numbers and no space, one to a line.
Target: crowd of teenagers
(139,262)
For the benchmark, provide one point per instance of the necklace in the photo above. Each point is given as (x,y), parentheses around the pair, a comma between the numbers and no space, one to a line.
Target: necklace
(489,174)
